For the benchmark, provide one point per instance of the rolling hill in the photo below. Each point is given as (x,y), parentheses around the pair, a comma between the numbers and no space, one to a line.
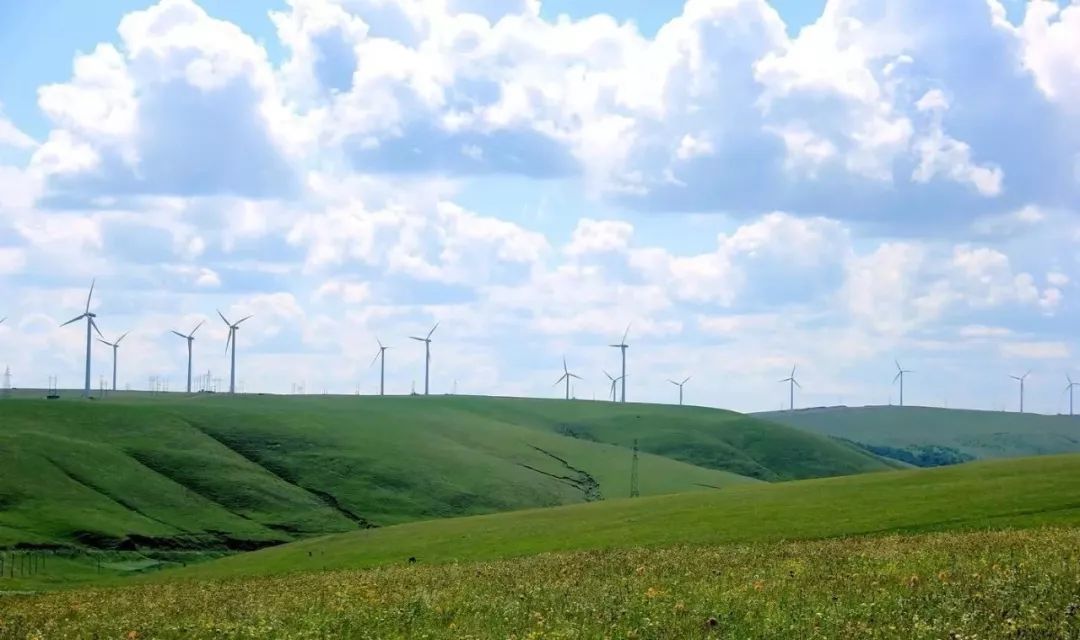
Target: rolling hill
(926,436)
(1002,494)
(236,473)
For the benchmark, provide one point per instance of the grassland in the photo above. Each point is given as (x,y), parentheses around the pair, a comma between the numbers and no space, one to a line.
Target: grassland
(958,586)
(233,473)
(1029,492)
(927,436)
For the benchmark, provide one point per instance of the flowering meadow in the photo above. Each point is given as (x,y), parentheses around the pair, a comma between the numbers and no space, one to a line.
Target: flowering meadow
(959,586)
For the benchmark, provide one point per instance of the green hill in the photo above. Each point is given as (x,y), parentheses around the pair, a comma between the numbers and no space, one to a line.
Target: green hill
(175,472)
(983,495)
(926,436)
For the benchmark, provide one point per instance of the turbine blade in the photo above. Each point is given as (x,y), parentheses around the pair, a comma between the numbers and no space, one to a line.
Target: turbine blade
(180,334)
(626,333)
(897,376)
(228,341)
(673,382)
(380,343)
(607,374)
(792,371)
(432,330)
(574,375)
(192,334)
(561,378)
(122,337)
(3,319)
(375,359)
(94,325)
(898,367)
(223,318)
(92,283)
(73,320)
(797,384)
(104,342)
(419,339)
(565,370)
(687,380)
(243,319)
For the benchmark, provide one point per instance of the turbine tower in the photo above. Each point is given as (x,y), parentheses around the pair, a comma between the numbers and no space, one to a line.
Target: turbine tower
(115,348)
(90,324)
(231,341)
(1021,379)
(792,383)
(427,356)
(622,347)
(614,384)
(680,385)
(381,355)
(900,371)
(1069,388)
(190,339)
(567,376)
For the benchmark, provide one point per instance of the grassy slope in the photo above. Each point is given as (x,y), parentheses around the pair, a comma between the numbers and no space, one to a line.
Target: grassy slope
(705,437)
(246,471)
(981,434)
(999,494)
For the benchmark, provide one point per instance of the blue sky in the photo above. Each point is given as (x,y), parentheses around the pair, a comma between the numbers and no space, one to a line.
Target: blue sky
(748,185)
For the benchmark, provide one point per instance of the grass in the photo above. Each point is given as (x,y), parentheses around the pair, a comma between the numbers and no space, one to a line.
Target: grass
(221,473)
(986,495)
(953,585)
(928,436)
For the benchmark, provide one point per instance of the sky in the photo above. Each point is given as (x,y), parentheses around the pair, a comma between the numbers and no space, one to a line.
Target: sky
(835,185)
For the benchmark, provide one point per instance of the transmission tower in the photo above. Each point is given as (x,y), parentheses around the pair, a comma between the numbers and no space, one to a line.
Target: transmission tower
(634,492)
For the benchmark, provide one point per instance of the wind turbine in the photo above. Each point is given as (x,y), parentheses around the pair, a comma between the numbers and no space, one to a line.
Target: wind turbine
(115,348)
(567,376)
(614,383)
(232,341)
(622,347)
(1069,388)
(1021,379)
(680,385)
(900,371)
(90,324)
(792,383)
(381,355)
(427,356)
(190,339)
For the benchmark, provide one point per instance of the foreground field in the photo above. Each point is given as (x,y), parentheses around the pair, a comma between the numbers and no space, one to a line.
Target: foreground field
(220,473)
(928,436)
(958,586)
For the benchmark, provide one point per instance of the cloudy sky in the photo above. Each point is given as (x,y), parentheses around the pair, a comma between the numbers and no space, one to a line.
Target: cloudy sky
(748,184)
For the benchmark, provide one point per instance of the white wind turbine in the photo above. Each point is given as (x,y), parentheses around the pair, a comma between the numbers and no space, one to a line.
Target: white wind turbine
(231,341)
(427,356)
(381,355)
(1021,380)
(1069,388)
(792,383)
(900,371)
(680,385)
(614,384)
(567,377)
(115,348)
(622,347)
(90,324)
(190,339)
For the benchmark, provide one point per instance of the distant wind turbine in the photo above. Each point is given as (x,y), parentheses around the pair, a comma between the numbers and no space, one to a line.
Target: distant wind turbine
(115,348)
(614,384)
(622,347)
(427,356)
(1069,388)
(567,376)
(190,339)
(3,319)
(90,324)
(231,341)
(381,355)
(1021,379)
(680,385)
(792,383)
(900,371)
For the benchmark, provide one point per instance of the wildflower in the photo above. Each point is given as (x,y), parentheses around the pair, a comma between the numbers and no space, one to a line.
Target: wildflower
(132,635)
(759,585)
(640,570)
(679,607)
(652,592)
(913,582)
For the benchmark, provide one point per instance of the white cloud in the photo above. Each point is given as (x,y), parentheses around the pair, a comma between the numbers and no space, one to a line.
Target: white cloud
(11,136)
(1036,350)
(599,236)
